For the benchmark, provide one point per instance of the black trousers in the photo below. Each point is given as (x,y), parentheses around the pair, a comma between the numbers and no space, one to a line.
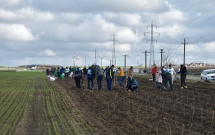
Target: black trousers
(153,75)
(77,82)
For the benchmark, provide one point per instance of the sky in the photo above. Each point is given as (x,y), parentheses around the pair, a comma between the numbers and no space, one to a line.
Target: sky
(81,32)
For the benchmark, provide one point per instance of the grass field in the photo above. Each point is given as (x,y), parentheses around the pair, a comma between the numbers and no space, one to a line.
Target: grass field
(30,105)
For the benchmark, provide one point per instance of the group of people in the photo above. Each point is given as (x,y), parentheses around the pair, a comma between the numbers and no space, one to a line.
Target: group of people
(167,75)
(97,73)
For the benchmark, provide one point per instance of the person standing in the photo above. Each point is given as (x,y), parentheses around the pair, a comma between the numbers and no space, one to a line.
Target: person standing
(85,71)
(183,74)
(154,71)
(121,76)
(78,78)
(90,78)
(106,74)
(47,71)
(172,72)
(168,78)
(100,72)
(67,72)
(110,77)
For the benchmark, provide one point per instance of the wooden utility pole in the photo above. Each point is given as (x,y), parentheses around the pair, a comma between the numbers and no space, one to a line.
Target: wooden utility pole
(184,49)
(161,57)
(124,60)
(145,58)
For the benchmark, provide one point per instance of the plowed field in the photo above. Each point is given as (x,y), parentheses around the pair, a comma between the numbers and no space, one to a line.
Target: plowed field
(148,111)
(32,105)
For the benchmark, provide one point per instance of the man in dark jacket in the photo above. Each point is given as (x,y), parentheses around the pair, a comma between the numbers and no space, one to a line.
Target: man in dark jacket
(85,71)
(183,74)
(78,78)
(110,77)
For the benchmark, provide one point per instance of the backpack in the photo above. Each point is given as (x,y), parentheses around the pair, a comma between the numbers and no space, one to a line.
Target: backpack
(89,72)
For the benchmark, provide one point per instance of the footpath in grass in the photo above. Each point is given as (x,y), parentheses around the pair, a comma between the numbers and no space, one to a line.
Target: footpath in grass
(30,105)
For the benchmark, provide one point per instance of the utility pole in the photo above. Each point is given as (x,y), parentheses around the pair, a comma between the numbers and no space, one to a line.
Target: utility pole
(95,56)
(152,55)
(184,49)
(124,60)
(145,58)
(85,60)
(110,62)
(101,62)
(113,51)
(161,57)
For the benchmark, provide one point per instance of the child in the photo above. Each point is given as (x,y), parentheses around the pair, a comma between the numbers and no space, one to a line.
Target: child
(159,79)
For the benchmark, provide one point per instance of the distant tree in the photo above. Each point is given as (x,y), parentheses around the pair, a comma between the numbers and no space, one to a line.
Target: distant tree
(168,59)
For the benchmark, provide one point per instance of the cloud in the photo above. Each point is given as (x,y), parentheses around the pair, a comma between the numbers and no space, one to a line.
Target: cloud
(15,32)
(84,6)
(124,18)
(47,52)
(26,14)
(10,3)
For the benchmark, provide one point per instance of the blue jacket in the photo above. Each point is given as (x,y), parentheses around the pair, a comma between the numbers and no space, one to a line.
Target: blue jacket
(132,82)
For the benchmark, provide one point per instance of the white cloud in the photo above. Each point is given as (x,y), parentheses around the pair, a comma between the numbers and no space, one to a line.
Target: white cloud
(71,17)
(7,15)
(47,52)
(15,32)
(125,18)
(172,31)
(127,36)
(10,3)
(26,14)
(29,13)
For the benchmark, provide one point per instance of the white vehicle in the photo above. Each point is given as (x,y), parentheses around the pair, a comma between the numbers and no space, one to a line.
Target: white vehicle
(208,74)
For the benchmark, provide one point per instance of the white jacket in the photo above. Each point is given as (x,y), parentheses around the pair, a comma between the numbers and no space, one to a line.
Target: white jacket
(159,78)
(171,71)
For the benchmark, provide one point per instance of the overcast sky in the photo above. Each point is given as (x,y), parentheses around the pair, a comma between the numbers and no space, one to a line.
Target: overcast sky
(61,32)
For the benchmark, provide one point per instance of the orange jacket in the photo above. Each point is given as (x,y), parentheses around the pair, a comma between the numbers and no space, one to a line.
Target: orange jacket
(154,70)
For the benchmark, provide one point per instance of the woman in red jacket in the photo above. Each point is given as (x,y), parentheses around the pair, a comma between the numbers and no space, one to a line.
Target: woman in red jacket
(154,71)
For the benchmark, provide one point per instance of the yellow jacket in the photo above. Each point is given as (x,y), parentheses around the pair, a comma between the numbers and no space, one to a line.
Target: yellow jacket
(121,73)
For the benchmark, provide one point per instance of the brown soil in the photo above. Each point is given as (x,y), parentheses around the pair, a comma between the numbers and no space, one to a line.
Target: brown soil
(148,111)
